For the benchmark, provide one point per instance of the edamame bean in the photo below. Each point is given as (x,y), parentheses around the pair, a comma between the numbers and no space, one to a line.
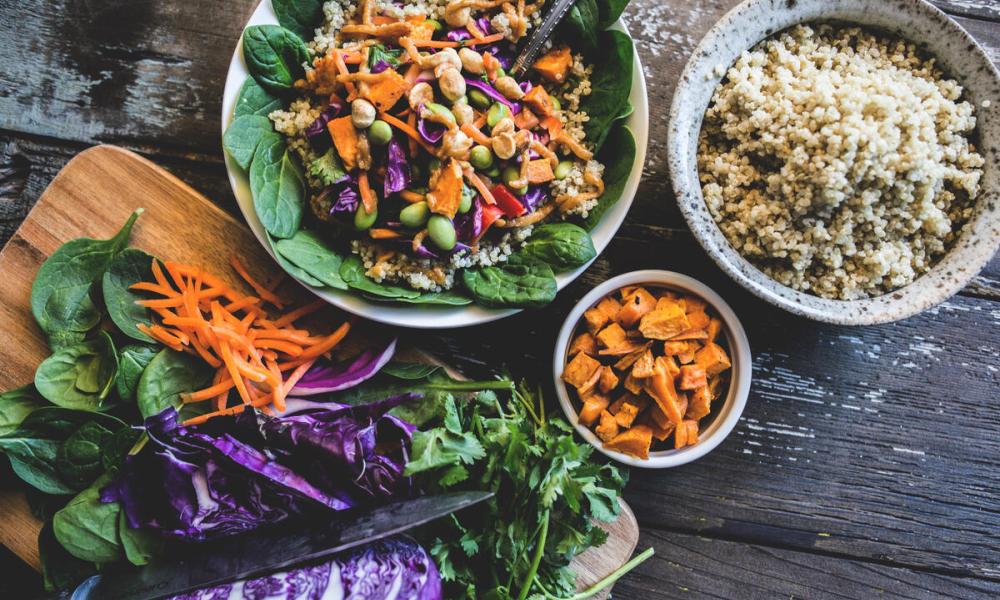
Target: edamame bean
(563,169)
(434,25)
(363,221)
(556,104)
(414,215)
(440,110)
(466,202)
(379,133)
(493,172)
(511,174)
(497,113)
(441,231)
(479,99)
(481,157)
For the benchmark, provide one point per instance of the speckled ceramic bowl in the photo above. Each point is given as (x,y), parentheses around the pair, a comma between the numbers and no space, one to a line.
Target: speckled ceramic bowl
(961,58)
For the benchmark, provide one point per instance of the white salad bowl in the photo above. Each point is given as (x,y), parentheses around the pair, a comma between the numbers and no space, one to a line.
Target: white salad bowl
(427,316)
(725,411)
(934,32)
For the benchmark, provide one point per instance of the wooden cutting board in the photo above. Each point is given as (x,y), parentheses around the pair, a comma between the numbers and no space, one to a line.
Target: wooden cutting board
(92,197)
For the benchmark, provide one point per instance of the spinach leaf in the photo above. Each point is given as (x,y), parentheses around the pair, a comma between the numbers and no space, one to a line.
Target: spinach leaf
(140,545)
(274,56)
(580,26)
(300,16)
(60,569)
(245,134)
(618,157)
(295,271)
(61,294)
(78,460)
(378,52)
(609,11)
(562,246)
(449,298)
(166,377)
(79,376)
(122,442)
(126,269)
(132,361)
(16,405)
(353,272)
(278,188)
(255,100)
(33,447)
(611,85)
(88,528)
(519,282)
(311,253)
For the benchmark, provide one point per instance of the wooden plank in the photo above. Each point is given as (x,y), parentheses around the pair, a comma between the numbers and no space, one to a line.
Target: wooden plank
(692,567)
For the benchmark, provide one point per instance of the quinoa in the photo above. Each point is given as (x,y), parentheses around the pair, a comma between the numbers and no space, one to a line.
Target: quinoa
(839,160)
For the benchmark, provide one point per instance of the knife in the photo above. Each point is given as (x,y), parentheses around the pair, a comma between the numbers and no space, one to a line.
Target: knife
(265,551)
(537,38)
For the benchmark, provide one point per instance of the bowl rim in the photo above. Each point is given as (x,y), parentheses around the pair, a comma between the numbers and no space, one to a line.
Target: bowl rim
(417,316)
(949,274)
(728,414)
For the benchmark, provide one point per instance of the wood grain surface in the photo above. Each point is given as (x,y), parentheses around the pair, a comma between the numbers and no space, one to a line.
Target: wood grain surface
(91,197)
(864,465)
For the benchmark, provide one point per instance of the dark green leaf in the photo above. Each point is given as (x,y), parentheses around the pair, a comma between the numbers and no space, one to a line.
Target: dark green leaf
(140,545)
(579,28)
(311,253)
(166,377)
(132,361)
(378,52)
(274,55)
(618,157)
(79,376)
(88,528)
(61,295)
(353,273)
(517,283)
(609,11)
(447,298)
(278,188)
(300,16)
(78,460)
(255,100)
(611,85)
(122,442)
(562,246)
(16,405)
(61,571)
(245,134)
(128,268)
(328,168)
(293,270)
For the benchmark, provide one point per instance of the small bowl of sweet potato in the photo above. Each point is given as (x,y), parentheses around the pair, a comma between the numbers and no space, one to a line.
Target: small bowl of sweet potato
(652,368)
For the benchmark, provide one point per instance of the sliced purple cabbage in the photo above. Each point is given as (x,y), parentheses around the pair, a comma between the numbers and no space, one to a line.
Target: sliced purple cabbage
(380,66)
(347,196)
(430,131)
(317,133)
(534,198)
(458,34)
(504,57)
(389,569)
(397,169)
(525,86)
(325,377)
(492,92)
(470,225)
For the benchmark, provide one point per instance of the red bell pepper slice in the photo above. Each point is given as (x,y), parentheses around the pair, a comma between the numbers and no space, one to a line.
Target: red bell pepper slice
(510,205)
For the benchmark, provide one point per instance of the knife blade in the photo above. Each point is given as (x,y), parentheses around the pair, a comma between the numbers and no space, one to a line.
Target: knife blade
(537,38)
(266,551)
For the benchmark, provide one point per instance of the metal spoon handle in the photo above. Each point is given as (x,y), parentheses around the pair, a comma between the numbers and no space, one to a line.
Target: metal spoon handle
(537,38)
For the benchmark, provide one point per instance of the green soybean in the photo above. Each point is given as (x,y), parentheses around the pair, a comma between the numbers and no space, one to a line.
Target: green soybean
(363,220)
(481,157)
(556,104)
(493,172)
(563,169)
(440,110)
(379,133)
(435,25)
(414,215)
(441,231)
(479,99)
(466,202)
(510,175)
(496,114)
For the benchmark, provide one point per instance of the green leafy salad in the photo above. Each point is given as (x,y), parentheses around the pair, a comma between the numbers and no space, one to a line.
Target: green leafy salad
(390,151)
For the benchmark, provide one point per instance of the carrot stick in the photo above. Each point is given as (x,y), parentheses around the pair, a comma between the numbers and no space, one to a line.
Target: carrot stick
(209,392)
(235,410)
(383,234)
(480,186)
(287,347)
(158,275)
(327,344)
(367,196)
(145,286)
(477,136)
(173,344)
(262,291)
(411,120)
(162,302)
(411,197)
(352,92)
(297,375)
(291,317)
(410,131)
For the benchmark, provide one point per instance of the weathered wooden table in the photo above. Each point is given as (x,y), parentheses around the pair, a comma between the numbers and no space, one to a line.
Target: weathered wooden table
(865,463)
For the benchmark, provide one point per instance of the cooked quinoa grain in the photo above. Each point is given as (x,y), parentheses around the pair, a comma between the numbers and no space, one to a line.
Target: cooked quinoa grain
(839,161)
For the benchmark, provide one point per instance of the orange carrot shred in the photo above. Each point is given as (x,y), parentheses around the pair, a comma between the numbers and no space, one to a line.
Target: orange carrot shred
(262,291)
(365,190)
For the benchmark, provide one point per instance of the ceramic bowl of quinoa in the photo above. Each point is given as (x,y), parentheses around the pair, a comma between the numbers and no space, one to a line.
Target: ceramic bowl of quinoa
(414,184)
(834,158)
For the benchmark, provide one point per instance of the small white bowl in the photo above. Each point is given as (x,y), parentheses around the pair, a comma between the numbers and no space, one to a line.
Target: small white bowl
(724,416)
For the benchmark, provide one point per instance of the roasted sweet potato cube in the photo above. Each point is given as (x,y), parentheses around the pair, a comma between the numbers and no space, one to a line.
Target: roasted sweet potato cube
(540,171)
(625,363)
(714,327)
(635,306)
(596,319)
(644,366)
(634,442)
(686,434)
(674,348)
(633,385)
(694,304)
(608,380)
(670,364)
(657,416)
(692,377)
(555,64)
(613,337)
(626,291)
(607,428)
(698,320)
(345,140)
(666,294)
(716,385)
(626,414)
(446,196)
(661,387)
(593,406)
(664,322)
(610,307)
(712,358)
(585,343)
(385,92)
(659,433)
(690,334)
(628,348)
(700,403)
(687,357)
(580,370)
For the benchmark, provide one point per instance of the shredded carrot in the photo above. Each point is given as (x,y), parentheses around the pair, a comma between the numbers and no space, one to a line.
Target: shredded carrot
(352,92)
(480,121)
(489,39)
(367,196)
(410,131)
(235,410)
(383,234)
(411,196)
(262,291)
(411,121)
(480,186)
(302,311)
(412,73)
(477,136)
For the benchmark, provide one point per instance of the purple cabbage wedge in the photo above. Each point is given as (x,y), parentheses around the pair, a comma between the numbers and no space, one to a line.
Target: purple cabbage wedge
(390,569)
(470,225)
(397,169)
(380,66)
(346,194)
(325,377)
(317,133)
(430,131)
(534,198)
